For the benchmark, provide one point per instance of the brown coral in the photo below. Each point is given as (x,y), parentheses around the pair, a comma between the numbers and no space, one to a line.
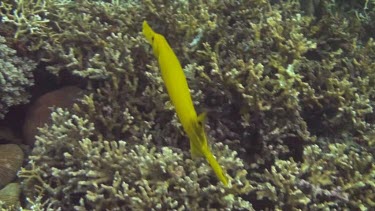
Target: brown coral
(10,161)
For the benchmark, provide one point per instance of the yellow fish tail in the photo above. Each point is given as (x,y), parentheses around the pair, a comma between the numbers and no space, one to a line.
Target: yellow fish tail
(194,151)
(215,166)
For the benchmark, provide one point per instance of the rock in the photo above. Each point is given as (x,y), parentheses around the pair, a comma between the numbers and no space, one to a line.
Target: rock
(40,111)
(10,195)
(11,159)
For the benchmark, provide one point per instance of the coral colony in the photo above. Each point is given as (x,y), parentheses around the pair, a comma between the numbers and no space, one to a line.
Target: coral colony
(86,122)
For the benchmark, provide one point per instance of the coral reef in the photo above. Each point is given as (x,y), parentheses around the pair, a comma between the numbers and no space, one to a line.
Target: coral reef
(340,177)
(84,39)
(97,174)
(15,77)
(292,94)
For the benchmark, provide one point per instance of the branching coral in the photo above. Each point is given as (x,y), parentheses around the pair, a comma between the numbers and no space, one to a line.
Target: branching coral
(15,77)
(28,17)
(71,36)
(76,172)
(337,178)
(260,84)
(273,82)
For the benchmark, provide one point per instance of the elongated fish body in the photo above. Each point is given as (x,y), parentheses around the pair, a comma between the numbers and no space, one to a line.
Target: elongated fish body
(173,77)
(178,91)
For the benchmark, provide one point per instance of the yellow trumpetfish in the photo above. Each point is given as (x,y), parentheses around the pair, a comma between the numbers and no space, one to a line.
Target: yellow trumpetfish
(178,90)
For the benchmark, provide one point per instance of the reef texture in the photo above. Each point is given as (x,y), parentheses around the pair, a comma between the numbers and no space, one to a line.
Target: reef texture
(291,91)
(337,177)
(15,77)
(89,174)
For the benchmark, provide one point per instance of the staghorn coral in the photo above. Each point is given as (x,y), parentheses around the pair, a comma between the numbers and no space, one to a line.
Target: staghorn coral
(286,77)
(15,77)
(340,177)
(88,174)
(260,84)
(275,37)
(273,81)
(74,36)
(29,17)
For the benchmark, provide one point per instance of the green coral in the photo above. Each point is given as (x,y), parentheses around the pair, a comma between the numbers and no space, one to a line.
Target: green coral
(15,78)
